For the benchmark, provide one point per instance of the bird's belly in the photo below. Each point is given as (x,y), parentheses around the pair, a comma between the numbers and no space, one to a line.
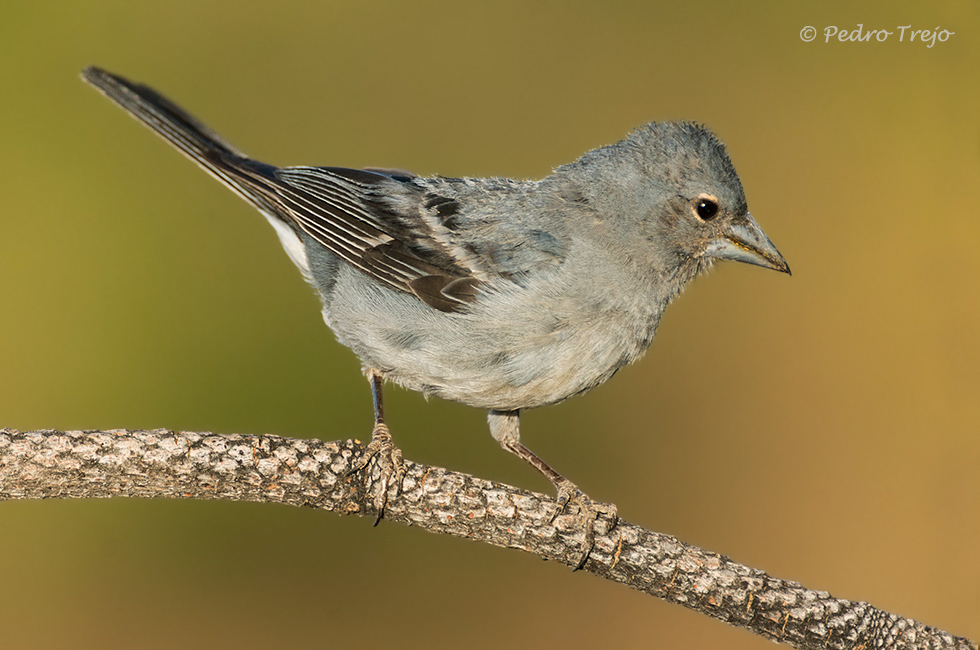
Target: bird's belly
(511,351)
(509,377)
(493,362)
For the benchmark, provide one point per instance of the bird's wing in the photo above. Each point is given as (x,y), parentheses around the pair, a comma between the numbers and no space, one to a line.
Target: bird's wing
(397,229)
(354,214)
(426,237)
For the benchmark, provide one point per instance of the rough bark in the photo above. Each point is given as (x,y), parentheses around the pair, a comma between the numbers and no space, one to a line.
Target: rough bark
(314,473)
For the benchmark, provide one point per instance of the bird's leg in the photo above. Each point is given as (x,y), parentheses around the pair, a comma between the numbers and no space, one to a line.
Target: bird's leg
(390,461)
(504,427)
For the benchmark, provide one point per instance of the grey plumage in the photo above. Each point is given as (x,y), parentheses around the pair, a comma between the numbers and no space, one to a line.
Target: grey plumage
(496,293)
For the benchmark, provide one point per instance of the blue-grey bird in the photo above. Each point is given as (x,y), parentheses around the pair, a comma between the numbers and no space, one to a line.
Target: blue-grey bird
(497,293)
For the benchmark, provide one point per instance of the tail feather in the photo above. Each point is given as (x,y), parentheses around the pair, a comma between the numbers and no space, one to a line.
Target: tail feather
(185,132)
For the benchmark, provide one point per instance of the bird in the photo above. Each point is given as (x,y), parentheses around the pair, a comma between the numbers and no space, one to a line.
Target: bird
(501,294)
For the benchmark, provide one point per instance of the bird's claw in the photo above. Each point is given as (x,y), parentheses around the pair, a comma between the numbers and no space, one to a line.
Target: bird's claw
(390,464)
(589,512)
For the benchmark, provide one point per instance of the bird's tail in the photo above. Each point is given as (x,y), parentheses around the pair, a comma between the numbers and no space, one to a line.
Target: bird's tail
(185,132)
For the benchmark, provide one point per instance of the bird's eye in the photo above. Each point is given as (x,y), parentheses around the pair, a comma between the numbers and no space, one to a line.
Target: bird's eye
(706,208)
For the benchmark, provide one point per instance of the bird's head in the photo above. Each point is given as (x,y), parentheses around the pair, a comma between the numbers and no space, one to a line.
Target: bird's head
(672,190)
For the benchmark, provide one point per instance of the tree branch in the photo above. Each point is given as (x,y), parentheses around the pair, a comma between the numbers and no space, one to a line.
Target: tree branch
(314,473)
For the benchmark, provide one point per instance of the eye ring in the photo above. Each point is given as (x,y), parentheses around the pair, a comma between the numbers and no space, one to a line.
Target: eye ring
(706,207)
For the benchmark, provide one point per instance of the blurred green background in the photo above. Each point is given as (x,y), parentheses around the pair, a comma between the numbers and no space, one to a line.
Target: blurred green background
(824,427)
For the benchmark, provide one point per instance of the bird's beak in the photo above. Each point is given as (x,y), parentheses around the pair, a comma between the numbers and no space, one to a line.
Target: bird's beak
(745,242)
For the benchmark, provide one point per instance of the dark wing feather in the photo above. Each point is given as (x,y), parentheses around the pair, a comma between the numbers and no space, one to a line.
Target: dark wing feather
(392,244)
(344,210)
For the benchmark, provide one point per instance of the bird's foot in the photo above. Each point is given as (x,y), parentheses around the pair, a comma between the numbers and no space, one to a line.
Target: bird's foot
(390,464)
(589,512)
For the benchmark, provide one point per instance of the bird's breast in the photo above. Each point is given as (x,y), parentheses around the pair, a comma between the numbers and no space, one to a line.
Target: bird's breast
(516,347)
